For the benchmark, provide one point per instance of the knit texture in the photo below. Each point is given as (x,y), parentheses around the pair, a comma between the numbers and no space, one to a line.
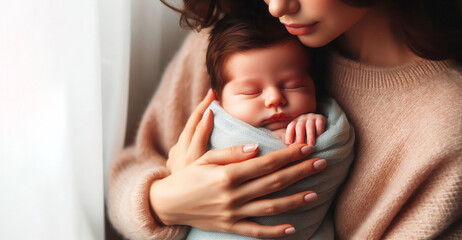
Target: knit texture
(406,180)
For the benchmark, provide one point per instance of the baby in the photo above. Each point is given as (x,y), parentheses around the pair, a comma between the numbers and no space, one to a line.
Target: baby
(259,74)
(262,78)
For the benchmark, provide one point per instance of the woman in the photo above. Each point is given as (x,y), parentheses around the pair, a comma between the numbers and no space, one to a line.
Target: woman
(393,70)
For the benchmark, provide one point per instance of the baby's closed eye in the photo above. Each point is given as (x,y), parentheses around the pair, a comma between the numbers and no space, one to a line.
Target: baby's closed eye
(293,85)
(250,90)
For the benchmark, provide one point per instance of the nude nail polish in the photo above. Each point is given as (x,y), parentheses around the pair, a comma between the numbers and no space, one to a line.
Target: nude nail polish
(307,149)
(289,230)
(310,197)
(319,164)
(250,147)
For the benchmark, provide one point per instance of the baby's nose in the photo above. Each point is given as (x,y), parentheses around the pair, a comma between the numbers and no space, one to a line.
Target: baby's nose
(274,98)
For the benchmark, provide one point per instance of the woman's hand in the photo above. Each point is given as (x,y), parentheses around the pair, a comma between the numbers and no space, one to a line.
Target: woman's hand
(193,140)
(211,196)
(217,190)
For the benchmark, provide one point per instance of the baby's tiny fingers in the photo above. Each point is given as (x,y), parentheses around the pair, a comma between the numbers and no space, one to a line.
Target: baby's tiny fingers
(290,131)
(300,132)
(310,132)
(320,126)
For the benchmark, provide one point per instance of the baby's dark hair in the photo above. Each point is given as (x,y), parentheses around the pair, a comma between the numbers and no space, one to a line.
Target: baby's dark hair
(236,34)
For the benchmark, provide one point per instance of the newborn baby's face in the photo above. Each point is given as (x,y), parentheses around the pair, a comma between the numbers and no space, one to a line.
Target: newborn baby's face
(269,87)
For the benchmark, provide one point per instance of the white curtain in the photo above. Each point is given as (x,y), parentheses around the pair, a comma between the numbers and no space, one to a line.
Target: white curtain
(51,170)
(64,88)
(114,22)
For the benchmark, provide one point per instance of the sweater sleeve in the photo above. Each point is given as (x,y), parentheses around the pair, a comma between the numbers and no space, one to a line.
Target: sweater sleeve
(183,85)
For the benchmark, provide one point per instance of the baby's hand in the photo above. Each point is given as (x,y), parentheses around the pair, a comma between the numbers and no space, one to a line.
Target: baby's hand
(306,126)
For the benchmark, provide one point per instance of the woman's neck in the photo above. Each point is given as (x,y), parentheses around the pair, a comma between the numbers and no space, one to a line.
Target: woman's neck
(372,41)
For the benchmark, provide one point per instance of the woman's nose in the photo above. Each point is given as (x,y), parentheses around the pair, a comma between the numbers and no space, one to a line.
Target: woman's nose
(274,98)
(279,8)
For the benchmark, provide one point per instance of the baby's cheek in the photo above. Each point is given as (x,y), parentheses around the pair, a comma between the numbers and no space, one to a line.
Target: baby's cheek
(281,133)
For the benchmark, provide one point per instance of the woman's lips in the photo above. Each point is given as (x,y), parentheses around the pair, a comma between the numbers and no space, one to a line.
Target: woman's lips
(300,29)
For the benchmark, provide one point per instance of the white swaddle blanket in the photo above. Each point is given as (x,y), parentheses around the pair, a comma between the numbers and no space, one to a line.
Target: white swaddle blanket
(335,145)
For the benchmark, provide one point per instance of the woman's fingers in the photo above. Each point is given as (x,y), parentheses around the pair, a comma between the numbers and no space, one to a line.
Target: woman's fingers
(195,118)
(201,136)
(229,155)
(268,163)
(267,207)
(253,229)
(171,155)
(180,154)
(279,180)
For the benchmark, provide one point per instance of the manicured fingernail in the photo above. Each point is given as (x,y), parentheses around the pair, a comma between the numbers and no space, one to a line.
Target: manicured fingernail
(319,164)
(289,230)
(307,149)
(250,147)
(310,197)
(206,113)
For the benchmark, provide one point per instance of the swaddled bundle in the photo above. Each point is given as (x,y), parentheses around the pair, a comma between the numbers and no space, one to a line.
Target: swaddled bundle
(335,145)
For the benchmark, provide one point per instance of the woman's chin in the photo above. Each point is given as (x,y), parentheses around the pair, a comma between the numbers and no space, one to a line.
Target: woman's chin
(314,41)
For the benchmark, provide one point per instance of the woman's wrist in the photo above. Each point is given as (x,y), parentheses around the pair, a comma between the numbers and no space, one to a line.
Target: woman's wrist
(154,204)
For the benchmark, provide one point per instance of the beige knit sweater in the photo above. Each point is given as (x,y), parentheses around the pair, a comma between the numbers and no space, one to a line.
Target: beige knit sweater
(406,181)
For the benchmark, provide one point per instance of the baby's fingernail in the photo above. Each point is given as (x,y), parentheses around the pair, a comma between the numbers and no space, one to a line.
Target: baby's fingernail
(250,147)
(319,164)
(307,149)
(289,230)
(310,197)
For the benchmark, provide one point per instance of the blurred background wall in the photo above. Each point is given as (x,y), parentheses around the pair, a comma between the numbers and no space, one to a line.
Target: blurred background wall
(155,37)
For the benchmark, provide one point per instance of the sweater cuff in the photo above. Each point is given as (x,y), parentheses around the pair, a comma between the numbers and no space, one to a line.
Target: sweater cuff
(144,213)
(129,209)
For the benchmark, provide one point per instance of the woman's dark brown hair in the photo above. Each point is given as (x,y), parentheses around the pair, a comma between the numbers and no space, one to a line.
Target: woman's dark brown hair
(431,28)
